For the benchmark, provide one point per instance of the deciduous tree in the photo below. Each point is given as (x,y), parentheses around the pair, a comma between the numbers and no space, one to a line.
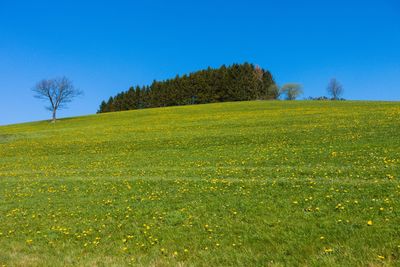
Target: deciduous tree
(57,92)
(335,89)
(291,90)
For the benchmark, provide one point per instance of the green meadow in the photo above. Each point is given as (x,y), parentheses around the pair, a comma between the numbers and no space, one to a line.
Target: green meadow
(262,183)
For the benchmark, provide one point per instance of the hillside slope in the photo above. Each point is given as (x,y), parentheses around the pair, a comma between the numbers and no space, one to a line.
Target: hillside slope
(245,183)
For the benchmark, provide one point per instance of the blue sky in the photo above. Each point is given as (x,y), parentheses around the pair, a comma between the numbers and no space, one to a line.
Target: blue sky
(107,46)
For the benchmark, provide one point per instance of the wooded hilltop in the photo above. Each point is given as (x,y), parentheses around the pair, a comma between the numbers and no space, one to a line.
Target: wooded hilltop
(238,82)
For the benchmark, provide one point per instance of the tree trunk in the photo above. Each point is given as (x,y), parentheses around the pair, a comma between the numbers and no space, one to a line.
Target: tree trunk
(54,116)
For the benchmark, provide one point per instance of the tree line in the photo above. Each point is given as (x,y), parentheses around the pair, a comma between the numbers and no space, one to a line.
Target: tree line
(238,82)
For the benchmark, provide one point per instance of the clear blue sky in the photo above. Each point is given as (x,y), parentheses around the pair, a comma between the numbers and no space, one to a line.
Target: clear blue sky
(106,46)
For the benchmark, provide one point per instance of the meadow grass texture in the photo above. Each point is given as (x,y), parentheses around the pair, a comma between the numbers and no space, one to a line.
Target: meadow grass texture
(262,183)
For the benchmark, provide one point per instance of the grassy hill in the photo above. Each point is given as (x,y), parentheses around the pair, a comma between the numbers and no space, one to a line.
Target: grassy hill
(247,183)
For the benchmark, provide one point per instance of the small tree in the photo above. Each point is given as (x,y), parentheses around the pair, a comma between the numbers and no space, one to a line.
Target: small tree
(335,89)
(291,90)
(58,92)
(273,92)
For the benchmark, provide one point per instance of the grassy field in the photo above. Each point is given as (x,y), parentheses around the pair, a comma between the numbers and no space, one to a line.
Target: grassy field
(236,184)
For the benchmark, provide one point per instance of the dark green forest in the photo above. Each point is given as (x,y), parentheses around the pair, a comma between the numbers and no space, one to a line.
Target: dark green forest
(238,82)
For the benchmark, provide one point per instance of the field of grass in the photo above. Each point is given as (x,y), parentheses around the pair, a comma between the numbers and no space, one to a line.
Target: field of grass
(235,184)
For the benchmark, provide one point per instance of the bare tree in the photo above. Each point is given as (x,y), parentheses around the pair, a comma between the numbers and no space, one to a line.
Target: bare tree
(335,89)
(291,90)
(58,92)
